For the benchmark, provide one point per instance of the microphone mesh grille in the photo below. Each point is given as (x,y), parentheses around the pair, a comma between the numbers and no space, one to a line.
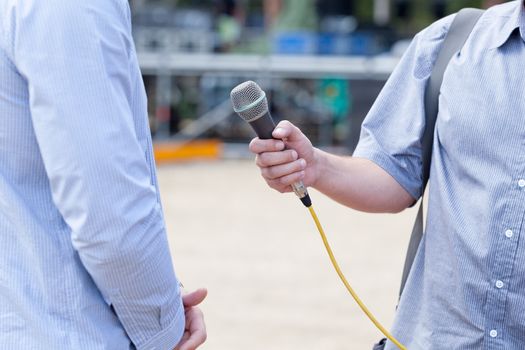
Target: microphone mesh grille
(246,94)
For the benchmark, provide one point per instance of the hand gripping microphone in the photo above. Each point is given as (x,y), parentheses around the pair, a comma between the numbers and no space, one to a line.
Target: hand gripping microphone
(250,103)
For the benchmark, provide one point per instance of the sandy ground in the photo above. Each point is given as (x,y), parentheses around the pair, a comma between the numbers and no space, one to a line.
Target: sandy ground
(271,285)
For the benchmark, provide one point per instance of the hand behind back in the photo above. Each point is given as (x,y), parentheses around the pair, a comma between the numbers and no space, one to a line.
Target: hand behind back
(195,330)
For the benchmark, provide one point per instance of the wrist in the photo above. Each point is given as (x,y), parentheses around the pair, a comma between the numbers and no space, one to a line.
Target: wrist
(318,159)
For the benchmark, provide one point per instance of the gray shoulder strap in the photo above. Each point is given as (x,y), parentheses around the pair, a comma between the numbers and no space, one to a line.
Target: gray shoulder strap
(458,33)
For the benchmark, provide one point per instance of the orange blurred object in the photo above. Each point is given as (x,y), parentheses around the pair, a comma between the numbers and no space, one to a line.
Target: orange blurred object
(170,151)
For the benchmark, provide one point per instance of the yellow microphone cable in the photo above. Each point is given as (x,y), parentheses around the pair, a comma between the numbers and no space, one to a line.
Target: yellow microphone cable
(347,285)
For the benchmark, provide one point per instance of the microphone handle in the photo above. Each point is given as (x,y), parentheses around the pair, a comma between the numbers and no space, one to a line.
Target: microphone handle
(263,127)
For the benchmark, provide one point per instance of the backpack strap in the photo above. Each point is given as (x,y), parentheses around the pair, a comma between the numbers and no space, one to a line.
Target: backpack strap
(458,33)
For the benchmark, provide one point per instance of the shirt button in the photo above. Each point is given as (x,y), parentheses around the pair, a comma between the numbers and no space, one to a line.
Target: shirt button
(499,284)
(493,333)
(509,233)
(521,183)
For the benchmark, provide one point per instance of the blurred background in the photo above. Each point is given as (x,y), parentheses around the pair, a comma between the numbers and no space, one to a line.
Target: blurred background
(322,64)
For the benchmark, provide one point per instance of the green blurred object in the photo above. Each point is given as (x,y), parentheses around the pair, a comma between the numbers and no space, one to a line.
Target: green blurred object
(455,6)
(297,15)
(229,30)
(335,96)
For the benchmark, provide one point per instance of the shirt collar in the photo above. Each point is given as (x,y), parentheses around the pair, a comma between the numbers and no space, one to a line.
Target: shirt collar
(516,20)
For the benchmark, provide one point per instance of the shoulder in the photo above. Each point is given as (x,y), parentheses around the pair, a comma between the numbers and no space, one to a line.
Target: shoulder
(71,18)
(437,30)
(435,33)
(69,10)
(424,48)
(70,27)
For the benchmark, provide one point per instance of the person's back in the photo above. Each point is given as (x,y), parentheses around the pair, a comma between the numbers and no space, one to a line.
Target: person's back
(84,262)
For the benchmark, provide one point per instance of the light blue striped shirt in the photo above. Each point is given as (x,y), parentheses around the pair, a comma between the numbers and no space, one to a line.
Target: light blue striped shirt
(84,259)
(466,289)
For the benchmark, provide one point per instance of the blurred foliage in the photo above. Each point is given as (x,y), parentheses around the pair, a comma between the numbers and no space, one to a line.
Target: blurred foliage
(298,14)
(456,5)
(364,10)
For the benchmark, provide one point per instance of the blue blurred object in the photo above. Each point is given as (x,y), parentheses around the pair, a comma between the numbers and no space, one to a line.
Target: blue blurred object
(357,43)
(363,43)
(310,43)
(333,44)
(193,19)
(295,43)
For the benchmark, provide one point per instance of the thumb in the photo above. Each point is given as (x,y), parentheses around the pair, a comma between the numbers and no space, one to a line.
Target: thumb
(194,298)
(286,130)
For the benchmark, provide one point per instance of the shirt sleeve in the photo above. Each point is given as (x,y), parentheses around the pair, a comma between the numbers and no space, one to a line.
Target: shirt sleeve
(391,134)
(75,56)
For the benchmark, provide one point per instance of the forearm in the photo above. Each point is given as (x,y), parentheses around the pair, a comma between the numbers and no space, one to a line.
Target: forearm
(133,270)
(359,184)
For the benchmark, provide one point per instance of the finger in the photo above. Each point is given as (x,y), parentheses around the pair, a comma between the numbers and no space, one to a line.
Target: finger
(278,186)
(284,183)
(259,146)
(278,171)
(194,298)
(197,329)
(184,338)
(194,341)
(268,159)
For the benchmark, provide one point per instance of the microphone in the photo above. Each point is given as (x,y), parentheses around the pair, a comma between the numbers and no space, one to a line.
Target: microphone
(250,103)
